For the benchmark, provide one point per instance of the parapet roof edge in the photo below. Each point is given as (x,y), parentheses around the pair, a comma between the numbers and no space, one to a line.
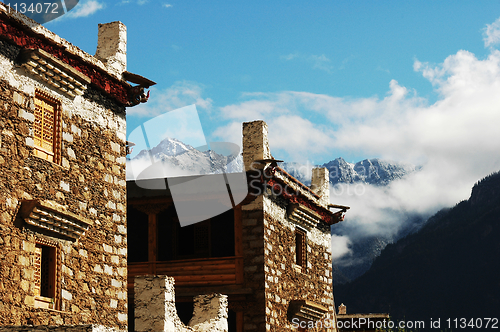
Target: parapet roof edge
(46,33)
(22,31)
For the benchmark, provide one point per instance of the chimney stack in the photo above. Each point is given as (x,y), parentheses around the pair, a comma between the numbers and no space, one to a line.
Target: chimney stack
(112,47)
(320,184)
(255,144)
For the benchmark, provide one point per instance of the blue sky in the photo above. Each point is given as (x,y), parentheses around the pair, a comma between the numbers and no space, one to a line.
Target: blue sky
(218,54)
(411,81)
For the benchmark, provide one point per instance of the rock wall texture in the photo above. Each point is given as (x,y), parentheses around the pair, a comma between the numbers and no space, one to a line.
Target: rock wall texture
(210,313)
(253,261)
(285,281)
(88,183)
(155,308)
(270,268)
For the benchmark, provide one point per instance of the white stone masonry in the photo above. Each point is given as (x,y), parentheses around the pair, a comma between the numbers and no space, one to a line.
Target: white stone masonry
(320,184)
(112,46)
(155,308)
(255,144)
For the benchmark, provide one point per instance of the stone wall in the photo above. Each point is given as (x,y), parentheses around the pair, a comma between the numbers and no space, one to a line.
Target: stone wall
(89,183)
(285,281)
(252,216)
(155,308)
(270,269)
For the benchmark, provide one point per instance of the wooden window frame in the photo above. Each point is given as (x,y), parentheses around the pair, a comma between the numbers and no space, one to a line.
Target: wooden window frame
(301,248)
(52,154)
(47,288)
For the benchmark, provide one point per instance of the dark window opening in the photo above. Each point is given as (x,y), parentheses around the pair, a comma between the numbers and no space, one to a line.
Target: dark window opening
(45,280)
(45,267)
(210,238)
(222,233)
(185,240)
(300,248)
(137,235)
(167,227)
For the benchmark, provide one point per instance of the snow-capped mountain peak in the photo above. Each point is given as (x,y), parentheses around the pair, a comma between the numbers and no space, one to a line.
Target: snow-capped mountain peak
(167,147)
(180,159)
(371,171)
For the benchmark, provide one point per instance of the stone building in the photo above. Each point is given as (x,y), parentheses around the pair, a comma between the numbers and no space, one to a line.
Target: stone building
(271,254)
(63,235)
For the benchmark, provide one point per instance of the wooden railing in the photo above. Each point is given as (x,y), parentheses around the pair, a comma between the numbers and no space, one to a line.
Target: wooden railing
(193,272)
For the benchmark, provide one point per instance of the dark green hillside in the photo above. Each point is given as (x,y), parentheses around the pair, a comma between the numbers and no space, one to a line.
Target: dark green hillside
(449,269)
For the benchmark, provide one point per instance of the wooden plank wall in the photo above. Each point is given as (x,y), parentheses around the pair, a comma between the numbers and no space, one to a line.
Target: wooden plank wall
(191,272)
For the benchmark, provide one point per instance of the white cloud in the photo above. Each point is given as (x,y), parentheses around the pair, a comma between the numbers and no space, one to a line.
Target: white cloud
(144,169)
(321,62)
(380,68)
(167,5)
(298,143)
(340,246)
(139,2)
(84,9)
(229,133)
(492,33)
(290,56)
(178,95)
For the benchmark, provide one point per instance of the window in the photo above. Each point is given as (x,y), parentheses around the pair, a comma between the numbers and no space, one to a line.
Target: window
(46,276)
(301,248)
(47,127)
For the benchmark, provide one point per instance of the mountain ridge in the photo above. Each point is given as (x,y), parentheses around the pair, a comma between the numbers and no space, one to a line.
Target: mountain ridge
(182,159)
(368,171)
(449,268)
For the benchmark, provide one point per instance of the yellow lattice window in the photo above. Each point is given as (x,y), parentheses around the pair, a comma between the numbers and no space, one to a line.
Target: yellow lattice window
(47,128)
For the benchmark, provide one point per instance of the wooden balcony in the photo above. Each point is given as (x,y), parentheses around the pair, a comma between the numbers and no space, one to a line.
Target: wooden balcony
(219,271)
